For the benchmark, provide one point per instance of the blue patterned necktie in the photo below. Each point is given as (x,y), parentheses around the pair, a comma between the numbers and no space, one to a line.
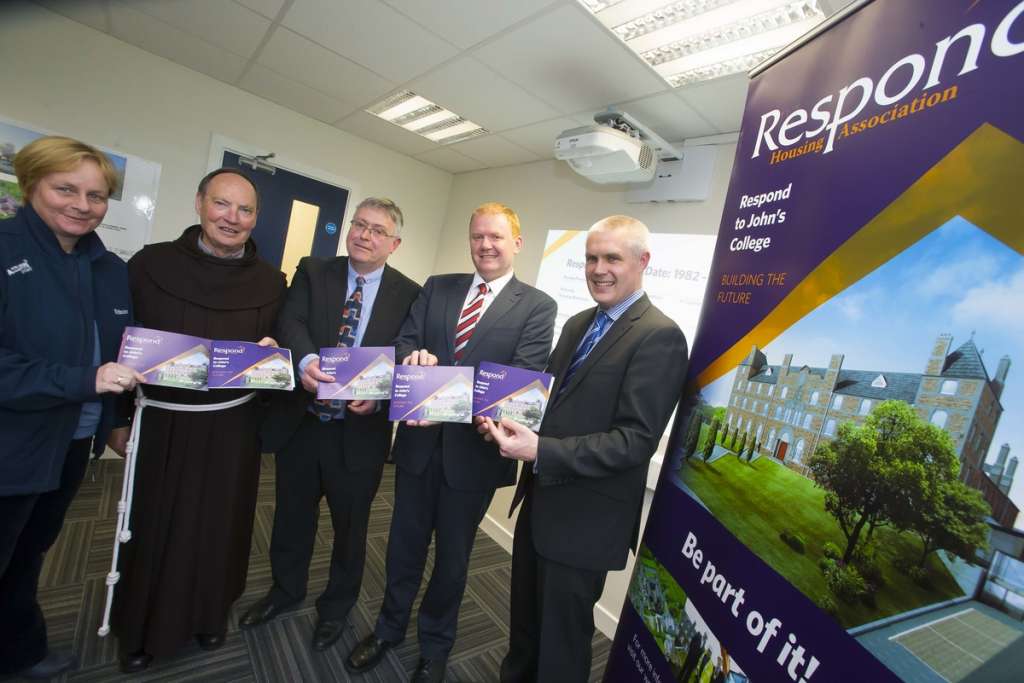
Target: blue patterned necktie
(329,410)
(597,328)
(350,315)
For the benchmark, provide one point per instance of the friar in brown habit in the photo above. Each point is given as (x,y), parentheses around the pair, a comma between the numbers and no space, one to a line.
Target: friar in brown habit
(197,472)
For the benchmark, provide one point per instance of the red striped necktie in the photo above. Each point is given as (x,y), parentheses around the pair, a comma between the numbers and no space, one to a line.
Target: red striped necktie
(468,319)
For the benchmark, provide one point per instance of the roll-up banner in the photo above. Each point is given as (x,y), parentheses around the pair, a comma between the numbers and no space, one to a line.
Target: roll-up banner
(843,464)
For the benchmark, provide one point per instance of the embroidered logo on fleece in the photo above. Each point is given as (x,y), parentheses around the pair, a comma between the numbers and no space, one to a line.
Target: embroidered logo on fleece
(22,267)
(120,311)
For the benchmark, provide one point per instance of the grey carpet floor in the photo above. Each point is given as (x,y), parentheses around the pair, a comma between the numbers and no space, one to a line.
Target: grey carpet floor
(72,593)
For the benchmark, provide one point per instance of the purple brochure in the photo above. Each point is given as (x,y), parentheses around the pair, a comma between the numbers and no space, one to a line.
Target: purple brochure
(513,393)
(360,373)
(244,365)
(438,393)
(166,359)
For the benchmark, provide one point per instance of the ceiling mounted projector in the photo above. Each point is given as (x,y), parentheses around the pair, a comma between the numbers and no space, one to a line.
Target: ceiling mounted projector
(616,149)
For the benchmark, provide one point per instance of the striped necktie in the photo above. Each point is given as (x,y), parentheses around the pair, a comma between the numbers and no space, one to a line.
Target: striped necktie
(468,319)
(594,334)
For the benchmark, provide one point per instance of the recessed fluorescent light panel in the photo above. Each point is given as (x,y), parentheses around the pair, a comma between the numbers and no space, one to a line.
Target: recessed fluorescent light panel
(696,40)
(423,117)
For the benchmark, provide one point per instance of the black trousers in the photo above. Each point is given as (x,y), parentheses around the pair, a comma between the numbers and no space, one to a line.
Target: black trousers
(29,525)
(551,614)
(310,467)
(426,506)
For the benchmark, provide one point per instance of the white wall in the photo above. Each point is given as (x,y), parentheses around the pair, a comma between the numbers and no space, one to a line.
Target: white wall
(548,195)
(66,77)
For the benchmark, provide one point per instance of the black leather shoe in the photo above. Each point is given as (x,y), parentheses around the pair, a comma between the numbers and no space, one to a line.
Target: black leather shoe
(262,611)
(53,664)
(134,662)
(327,633)
(210,641)
(430,671)
(367,654)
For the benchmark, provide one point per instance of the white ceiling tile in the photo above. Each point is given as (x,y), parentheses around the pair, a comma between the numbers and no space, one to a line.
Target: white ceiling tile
(494,150)
(374,129)
(473,91)
(539,138)
(89,12)
(568,60)
(467,23)
(669,116)
(268,8)
(370,33)
(720,101)
(586,118)
(449,160)
(173,44)
(223,23)
(298,58)
(263,82)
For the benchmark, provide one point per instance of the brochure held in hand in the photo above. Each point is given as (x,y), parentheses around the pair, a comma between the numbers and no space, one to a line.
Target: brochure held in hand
(182,361)
(438,393)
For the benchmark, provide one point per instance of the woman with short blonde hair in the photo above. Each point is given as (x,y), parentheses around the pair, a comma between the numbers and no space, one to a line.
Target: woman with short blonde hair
(64,304)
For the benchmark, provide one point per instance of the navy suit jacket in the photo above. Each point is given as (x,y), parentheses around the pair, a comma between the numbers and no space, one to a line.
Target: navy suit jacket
(516,330)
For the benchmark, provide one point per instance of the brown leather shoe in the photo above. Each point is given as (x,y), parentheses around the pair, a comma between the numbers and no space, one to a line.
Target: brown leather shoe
(367,654)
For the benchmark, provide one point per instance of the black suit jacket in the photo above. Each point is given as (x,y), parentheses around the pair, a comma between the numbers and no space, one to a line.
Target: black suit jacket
(309,320)
(516,330)
(599,435)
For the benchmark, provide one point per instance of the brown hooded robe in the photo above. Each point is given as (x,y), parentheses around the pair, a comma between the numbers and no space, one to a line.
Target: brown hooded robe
(197,473)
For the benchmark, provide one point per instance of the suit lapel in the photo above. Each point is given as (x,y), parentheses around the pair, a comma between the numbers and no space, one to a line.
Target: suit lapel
(562,356)
(381,313)
(337,283)
(502,304)
(453,307)
(623,325)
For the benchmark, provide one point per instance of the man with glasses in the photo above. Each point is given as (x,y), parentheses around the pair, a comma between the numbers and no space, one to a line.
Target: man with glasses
(334,448)
(445,474)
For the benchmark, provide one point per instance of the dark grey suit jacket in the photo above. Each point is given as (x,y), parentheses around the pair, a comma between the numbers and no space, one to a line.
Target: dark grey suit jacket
(599,435)
(516,330)
(309,320)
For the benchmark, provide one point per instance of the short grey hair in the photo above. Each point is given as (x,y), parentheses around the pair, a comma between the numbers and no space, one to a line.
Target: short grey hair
(637,234)
(386,205)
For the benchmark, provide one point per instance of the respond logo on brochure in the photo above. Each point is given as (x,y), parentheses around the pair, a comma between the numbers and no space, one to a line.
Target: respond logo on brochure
(437,393)
(244,365)
(360,373)
(501,391)
(166,359)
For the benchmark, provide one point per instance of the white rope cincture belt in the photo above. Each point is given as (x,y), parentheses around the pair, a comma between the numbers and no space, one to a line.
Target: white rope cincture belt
(122,532)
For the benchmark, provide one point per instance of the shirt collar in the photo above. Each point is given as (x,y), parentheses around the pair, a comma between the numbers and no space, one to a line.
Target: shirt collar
(495,285)
(203,247)
(372,276)
(616,311)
